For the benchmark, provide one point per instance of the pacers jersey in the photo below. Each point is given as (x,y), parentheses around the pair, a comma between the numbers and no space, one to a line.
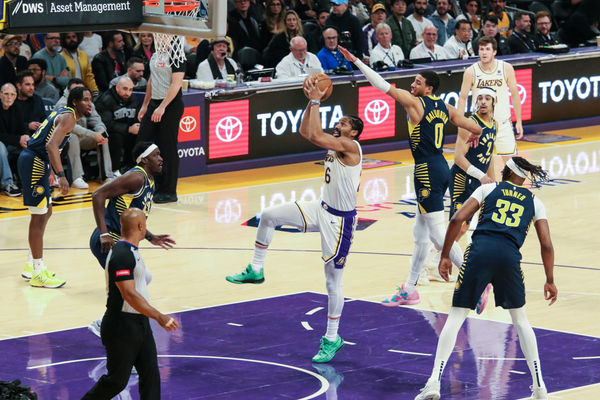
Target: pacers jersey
(497,81)
(341,182)
(142,200)
(427,137)
(41,137)
(481,155)
(508,209)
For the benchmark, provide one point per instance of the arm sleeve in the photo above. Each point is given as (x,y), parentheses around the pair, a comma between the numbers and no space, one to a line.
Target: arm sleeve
(540,209)
(121,264)
(482,192)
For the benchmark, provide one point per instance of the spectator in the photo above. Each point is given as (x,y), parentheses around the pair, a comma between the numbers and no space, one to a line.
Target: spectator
(505,24)
(443,21)
(459,45)
(403,32)
(522,41)
(418,19)
(348,25)
(57,72)
(217,65)
(110,62)
(490,28)
(144,49)
(243,29)
(91,44)
(78,61)
(87,135)
(385,52)
(29,104)
(298,62)
(322,18)
(306,9)
(429,48)
(378,15)
(472,15)
(329,56)
(25,49)
(273,23)
(13,138)
(135,72)
(43,88)
(118,110)
(582,25)
(11,62)
(257,10)
(359,10)
(543,25)
(280,44)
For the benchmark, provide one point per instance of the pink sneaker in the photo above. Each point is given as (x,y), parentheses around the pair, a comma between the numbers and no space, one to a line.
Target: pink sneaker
(483,299)
(402,298)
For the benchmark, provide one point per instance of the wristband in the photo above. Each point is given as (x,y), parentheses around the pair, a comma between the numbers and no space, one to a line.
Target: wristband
(104,234)
(60,174)
(475,172)
(315,103)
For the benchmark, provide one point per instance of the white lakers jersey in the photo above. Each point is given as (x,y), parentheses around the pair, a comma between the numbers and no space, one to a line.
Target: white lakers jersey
(341,182)
(497,81)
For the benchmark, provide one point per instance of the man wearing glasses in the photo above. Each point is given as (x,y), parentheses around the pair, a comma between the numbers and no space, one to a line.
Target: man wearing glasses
(329,55)
(11,62)
(57,72)
(543,24)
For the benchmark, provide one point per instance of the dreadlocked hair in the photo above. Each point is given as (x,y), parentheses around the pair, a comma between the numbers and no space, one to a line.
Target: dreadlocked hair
(536,173)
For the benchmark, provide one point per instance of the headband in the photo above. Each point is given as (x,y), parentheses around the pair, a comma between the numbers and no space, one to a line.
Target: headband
(516,169)
(487,91)
(146,153)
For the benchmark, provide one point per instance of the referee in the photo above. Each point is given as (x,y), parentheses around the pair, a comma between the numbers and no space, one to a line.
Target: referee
(126,332)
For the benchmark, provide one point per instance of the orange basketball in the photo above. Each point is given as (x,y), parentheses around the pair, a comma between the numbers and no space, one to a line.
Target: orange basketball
(323,82)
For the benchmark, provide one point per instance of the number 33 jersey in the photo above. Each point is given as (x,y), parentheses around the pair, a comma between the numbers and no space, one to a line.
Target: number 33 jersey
(508,209)
(341,182)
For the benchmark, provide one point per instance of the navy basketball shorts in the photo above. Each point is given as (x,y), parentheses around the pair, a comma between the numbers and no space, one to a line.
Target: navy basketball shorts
(461,188)
(96,246)
(431,181)
(35,180)
(495,259)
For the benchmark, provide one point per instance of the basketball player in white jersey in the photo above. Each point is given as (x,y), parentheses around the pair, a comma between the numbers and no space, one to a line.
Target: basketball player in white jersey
(334,216)
(500,76)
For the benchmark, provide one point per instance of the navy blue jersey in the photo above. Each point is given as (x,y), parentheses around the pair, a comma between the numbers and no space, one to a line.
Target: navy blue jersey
(41,137)
(142,200)
(427,137)
(509,209)
(481,155)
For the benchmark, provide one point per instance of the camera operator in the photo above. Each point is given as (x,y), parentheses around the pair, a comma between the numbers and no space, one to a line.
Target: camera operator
(349,26)
(385,53)
(331,59)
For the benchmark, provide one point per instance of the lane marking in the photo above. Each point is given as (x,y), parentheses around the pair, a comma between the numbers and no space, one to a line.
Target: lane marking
(518,372)
(314,310)
(501,358)
(410,352)
(350,343)
(586,358)
(307,326)
(234,324)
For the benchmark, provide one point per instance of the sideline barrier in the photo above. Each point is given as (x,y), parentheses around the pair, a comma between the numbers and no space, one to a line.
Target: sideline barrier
(254,126)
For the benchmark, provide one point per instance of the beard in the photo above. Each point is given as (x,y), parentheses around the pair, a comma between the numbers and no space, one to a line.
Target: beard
(71,46)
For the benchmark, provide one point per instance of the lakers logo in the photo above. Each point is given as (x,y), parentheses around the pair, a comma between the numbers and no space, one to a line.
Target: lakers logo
(341,261)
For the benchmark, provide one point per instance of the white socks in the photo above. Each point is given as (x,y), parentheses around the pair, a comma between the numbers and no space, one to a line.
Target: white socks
(456,317)
(38,266)
(258,259)
(528,344)
(335,299)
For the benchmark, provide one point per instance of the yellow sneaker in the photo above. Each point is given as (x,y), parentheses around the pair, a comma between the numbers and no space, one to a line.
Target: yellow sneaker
(45,279)
(28,271)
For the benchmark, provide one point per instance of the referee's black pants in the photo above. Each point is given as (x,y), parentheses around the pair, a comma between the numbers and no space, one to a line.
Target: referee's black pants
(129,342)
(164,134)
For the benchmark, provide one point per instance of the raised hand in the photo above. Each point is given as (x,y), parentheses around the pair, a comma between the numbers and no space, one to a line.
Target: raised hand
(349,56)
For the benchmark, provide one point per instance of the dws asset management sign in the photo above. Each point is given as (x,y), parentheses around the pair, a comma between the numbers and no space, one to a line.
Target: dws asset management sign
(73,15)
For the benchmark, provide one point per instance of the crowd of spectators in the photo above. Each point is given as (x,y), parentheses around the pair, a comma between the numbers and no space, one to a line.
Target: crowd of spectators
(294,37)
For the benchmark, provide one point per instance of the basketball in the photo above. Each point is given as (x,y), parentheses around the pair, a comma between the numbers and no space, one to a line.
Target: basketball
(323,82)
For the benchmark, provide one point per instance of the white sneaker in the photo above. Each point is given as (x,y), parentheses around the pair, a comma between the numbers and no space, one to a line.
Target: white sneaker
(116,173)
(94,327)
(79,183)
(538,393)
(431,391)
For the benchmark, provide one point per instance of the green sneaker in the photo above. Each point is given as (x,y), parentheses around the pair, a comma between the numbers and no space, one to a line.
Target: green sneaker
(328,349)
(247,276)
(44,279)
(28,271)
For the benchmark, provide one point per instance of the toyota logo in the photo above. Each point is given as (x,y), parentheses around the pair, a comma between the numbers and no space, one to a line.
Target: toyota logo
(228,211)
(377,112)
(228,129)
(187,124)
(522,94)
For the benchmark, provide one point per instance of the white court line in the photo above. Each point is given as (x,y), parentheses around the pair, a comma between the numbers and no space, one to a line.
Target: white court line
(350,343)
(314,310)
(409,352)
(586,358)
(518,372)
(173,210)
(324,382)
(501,358)
(234,324)
(306,326)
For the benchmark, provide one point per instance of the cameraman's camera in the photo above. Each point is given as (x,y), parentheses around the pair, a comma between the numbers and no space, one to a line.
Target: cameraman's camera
(345,40)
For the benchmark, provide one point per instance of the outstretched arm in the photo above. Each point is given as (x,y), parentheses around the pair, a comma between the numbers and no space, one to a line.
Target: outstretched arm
(461,121)
(543,232)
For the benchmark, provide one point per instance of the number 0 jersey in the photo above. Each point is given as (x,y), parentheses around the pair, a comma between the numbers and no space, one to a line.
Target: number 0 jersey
(341,182)
(41,137)
(508,209)
(142,199)
(427,137)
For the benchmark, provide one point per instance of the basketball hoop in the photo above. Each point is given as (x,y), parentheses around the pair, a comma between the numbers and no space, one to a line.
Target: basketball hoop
(170,47)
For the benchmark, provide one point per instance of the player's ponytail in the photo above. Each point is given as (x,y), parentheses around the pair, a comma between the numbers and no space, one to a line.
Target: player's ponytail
(536,173)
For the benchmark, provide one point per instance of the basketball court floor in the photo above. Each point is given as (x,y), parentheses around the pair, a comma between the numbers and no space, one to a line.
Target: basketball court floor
(257,341)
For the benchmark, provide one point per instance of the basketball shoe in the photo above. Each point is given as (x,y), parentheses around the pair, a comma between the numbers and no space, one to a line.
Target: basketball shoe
(538,393)
(45,279)
(28,271)
(482,302)
(247,276)
(431,391)
(402,298)
(328,349)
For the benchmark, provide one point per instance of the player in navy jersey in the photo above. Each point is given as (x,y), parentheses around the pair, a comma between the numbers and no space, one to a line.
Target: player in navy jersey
(507,210)
(42,152)
(428,116)
(134,189)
